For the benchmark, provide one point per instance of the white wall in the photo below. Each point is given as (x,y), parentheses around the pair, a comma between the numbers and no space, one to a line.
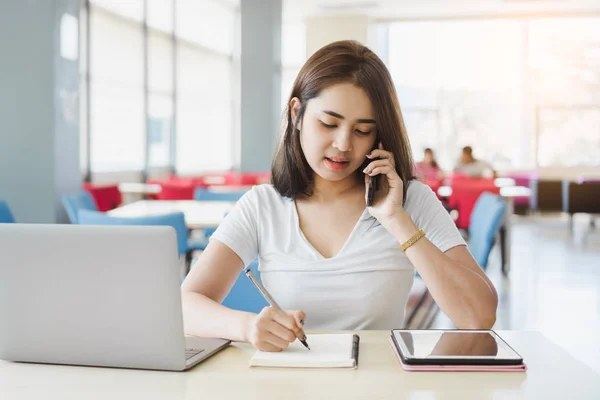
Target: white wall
(322,30)
(39,142)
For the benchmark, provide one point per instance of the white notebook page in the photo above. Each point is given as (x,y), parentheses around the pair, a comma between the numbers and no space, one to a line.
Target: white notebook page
(326,351)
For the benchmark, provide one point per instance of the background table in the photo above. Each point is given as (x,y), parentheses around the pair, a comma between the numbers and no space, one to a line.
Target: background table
(198,214)
(133,191)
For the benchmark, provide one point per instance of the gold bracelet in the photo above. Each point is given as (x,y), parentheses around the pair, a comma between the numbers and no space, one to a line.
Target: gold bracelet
(414,239)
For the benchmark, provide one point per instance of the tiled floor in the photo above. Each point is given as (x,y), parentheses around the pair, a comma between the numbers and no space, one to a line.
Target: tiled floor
(554,285)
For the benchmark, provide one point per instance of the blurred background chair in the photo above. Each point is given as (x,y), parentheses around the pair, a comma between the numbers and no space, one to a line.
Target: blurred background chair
(465,193)
(106,197)
(185,245)
(176,191)
(546,195)
(75,202)
(243,295)
(5,214)
(486,220)
(582,196)
(202,194)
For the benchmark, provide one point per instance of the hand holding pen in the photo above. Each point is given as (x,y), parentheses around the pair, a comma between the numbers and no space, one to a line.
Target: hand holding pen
(274,329)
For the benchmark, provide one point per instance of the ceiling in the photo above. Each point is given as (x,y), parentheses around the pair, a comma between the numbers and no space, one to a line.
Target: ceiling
(431,9)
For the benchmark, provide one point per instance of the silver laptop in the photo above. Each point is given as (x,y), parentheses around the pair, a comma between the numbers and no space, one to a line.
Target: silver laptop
(94,295)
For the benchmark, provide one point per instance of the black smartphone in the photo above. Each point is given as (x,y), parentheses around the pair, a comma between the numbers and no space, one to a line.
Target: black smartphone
(372,188)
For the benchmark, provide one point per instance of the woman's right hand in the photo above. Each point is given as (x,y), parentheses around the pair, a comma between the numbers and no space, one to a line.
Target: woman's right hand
(274,330)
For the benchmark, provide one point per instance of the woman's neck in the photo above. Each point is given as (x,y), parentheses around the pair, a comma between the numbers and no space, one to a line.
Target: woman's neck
(325,191)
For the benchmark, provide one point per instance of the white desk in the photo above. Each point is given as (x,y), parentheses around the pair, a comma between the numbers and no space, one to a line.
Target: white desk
(134,191)
(508,192)
(552,374)
(139,188)
(198,214)
(502,182)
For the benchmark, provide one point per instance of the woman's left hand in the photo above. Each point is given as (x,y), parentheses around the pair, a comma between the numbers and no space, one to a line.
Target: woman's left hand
(386,207)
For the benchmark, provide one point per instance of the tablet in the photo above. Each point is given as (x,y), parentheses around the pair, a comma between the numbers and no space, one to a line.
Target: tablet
(454,347)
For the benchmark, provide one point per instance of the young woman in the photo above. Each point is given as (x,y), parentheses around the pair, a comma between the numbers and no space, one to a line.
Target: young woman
(321,250)
(428,169)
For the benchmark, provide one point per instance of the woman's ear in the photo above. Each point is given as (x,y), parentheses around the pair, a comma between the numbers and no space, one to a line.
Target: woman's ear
(295,105)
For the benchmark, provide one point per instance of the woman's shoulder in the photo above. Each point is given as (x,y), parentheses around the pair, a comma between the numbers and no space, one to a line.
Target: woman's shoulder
(266,194)
(418,194)
(417,188)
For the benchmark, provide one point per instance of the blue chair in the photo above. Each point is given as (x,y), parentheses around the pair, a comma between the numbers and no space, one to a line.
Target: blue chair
(486,221)
(5,214)
(78,201)
(243,295)
(185,245)
(202,194)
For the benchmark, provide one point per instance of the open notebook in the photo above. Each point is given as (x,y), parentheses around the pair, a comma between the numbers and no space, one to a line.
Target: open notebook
(326,351)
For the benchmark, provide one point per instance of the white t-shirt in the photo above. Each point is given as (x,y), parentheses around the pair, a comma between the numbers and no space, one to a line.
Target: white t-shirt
(364,286)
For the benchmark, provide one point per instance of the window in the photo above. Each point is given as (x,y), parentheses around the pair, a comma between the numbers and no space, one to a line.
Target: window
(206,111)
(505,87)
(161,72)
(426,122)
(293,56)
(569,137)
(564,60)
(161,54)
(116,121)
(460,86)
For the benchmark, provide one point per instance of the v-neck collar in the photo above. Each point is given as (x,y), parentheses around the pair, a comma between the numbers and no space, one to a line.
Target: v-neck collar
(365,215)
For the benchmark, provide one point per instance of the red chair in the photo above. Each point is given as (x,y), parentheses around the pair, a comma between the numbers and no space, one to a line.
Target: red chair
(465,193)
(434,184)
(106,197)
(179,180)
(176,191)
(254,178)
(176,187)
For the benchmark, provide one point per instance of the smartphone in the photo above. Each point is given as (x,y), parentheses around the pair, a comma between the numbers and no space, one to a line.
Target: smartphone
(371,190)
(372,184)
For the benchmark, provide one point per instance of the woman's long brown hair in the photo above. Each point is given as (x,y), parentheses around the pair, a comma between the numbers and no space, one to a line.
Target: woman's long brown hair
(341,62)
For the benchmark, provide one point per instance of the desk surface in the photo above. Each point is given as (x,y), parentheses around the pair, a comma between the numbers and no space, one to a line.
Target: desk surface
(139,188)
(198,214)
(552,373)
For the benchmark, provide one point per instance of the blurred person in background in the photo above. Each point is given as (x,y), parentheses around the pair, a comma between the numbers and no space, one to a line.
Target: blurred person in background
(470,166)
(428,169)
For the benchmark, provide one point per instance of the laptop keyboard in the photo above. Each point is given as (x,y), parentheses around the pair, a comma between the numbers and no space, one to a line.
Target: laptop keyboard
(189,353)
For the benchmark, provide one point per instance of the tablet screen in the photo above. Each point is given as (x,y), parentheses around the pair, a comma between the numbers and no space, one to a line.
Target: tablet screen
(453,344)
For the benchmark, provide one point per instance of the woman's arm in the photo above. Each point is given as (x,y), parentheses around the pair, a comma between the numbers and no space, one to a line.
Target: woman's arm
(456,282)
(203,290)
(207,285)
(458,285)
